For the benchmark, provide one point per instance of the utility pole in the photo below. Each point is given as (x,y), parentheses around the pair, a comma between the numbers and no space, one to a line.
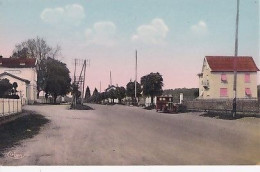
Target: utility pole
(110,79)
(100,87)
(234,111)
(79,81)
(84,74)
(135,73)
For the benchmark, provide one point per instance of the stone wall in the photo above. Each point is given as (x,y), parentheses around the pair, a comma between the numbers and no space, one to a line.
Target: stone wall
(243,105)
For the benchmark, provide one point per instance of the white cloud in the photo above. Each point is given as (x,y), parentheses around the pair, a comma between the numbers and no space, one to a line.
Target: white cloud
(72,14)
(102,33)
(200,28)
(153,33)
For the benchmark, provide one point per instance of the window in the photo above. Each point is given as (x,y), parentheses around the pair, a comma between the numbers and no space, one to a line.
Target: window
(248,92)
(223,92)
(247,77)
(223,77)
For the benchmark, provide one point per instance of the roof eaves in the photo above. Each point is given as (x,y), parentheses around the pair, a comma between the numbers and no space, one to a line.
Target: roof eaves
(16,77)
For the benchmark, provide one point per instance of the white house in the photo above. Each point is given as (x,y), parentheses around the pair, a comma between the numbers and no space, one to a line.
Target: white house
(111,87)
(22,71)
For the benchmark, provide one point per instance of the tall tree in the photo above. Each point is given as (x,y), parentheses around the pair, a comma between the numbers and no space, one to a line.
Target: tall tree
(35,48)
(120,93)
(56,79)
(87,93)
(95,92)
(152,85)
(130,90)
(95,96)
(39,49)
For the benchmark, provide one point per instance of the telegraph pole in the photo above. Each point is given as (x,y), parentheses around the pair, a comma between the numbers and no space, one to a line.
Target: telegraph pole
(84,74)
(100,86)
(234,111)
(135,73)
(110,79)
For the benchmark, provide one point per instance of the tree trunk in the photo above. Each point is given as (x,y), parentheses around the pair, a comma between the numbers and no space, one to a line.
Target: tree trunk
(152,100)
(55,97)
(38,94)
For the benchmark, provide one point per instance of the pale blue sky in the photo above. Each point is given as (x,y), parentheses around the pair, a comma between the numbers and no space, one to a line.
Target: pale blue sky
(171,36)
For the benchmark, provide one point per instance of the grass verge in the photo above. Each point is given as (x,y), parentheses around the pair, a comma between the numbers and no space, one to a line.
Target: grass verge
(11,133)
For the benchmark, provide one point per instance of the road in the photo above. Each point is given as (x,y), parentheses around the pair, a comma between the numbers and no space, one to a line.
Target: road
(123,135)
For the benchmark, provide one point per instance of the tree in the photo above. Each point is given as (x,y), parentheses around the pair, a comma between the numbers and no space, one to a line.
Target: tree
(75,91)
(152,85)
(15,85)
(95,92)
(120,93)
(5,87)
(95,96)
(112,94)
(87,93)
(35,48)
(39,49)
(130,89)
(56,78)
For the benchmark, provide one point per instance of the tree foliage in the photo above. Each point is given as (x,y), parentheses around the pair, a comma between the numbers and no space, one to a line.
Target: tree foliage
(130,89)
(8,90)
(56,78)
(120,93)
(152,85)
(39,49)
(5,87)
(112,94)
(35,48)
(87,93)
(188,93)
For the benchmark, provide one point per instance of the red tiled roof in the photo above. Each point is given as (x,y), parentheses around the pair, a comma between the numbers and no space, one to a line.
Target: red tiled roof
(226,63)
(17,62)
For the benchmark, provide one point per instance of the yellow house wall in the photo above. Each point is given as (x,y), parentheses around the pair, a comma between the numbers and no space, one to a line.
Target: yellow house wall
(215,83)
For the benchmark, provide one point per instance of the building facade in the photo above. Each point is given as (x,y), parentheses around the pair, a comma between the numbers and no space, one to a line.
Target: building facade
(23,71)
(216,80)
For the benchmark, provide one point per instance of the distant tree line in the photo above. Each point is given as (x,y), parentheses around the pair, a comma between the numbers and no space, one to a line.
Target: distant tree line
(151,85)
(188,93)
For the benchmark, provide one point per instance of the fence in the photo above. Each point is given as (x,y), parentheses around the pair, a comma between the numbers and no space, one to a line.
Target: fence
(243,105)
(10,106)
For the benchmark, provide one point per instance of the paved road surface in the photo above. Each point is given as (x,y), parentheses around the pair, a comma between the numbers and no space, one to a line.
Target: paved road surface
(121,135)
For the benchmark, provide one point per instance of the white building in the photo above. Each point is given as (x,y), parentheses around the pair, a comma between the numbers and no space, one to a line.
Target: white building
(22,71)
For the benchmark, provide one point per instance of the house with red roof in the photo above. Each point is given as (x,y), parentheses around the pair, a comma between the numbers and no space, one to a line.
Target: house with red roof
(23,72)
(216,80)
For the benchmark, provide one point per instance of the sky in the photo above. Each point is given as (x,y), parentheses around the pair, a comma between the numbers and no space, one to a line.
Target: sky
(172,37)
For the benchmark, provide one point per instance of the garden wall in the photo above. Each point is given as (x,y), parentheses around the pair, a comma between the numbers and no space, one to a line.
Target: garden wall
(243,105)
(10,106)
